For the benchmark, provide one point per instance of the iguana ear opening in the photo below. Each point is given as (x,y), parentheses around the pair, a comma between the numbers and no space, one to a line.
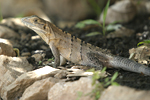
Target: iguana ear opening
(44,27)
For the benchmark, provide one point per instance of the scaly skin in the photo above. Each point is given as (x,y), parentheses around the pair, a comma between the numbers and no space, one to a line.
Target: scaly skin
(65,46)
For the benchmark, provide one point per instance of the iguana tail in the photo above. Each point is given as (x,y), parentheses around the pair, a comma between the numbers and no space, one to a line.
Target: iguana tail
(129,65)
(118,62)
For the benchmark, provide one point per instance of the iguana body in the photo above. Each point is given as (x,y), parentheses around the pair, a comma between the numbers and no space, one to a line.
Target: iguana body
(76,50)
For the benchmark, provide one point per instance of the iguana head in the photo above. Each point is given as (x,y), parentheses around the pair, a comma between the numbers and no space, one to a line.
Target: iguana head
(37,24)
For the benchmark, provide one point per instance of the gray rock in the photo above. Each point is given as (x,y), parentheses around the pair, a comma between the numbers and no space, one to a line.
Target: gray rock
(39,89)
(7,33)
(71,90)
(16,88)
(124,93)
(122,12)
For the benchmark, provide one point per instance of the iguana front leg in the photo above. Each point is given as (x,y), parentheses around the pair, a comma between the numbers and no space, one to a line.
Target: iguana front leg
(56,54)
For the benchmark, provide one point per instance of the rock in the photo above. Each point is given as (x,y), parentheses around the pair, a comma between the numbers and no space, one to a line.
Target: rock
(68,10)
(39,89)
(25,54)
(121,32)
(5,79)
(124,93)
(122,12)
(147,5)
(6,48)
(38,57)
(13,22)
(81,73)
(70,90)
(140,54)
(10,69)
(23,7)
(143,7)
(7,33)
(62,74)
(16,65)
(16,88)
(6,42)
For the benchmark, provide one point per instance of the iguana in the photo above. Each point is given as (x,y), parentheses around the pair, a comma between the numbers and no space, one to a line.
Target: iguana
(64,45)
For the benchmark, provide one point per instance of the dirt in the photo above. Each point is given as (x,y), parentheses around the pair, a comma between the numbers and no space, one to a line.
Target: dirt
(117,46)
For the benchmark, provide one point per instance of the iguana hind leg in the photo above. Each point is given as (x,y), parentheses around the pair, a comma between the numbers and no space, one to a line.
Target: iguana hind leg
(97,60)
(62,60)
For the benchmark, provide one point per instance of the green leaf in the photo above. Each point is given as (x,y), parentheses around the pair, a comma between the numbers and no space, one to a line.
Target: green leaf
(40,62)
(145,42)
(111,27)
(140,43)
(115,84)
(97,95)
(93,33)
(104,16)
(96,75)
(82,24)
(104,69)
(50,59)
(106,79)
(91,70)
(114,76)
(108,83)
(105,12)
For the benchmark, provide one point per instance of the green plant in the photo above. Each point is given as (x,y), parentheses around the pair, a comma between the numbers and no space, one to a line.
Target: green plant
(51,59)
(96,92)
(93,33)
(17,52)
(145,42)
(82,24)
(111,81)
(104,16)
(40,62)
(100,86)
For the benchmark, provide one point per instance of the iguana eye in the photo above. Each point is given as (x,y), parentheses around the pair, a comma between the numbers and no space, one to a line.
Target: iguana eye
(35,20)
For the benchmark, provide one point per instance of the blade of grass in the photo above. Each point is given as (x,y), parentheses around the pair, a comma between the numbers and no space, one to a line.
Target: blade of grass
(105,12)
(82,24)
(93,33)
(104,15)
(114,76)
